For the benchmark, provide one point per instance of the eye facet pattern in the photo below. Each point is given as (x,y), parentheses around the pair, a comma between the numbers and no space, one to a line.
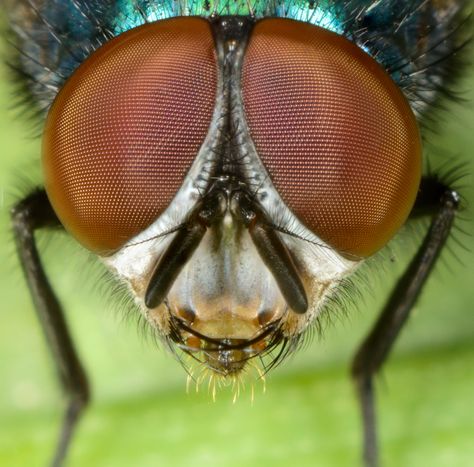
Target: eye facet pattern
(335,133)
(126,127)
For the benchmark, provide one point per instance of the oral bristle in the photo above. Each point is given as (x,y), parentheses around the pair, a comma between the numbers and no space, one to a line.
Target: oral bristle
(236,383)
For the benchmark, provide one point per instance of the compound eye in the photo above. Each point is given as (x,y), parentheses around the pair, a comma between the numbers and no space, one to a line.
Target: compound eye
(334,131)
(125,128)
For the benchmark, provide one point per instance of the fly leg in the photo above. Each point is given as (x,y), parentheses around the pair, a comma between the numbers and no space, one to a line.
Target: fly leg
(442,203)
(32,213)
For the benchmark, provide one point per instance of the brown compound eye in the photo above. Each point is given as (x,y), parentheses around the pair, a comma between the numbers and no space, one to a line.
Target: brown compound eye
(125,128)
(335,132)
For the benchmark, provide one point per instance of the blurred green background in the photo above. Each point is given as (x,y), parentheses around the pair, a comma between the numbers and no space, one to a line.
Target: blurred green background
(141,414)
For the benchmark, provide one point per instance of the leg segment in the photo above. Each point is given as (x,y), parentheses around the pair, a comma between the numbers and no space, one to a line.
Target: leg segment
(32,213)
(443,202)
